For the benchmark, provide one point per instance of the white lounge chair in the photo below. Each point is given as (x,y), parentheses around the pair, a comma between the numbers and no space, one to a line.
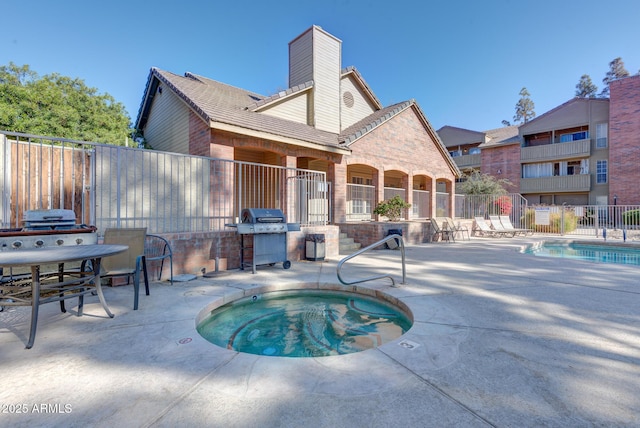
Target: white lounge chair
(497,226)
(506,223)
(482,227)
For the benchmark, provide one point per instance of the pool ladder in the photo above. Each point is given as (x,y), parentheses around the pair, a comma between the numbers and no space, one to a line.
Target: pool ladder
(397,240)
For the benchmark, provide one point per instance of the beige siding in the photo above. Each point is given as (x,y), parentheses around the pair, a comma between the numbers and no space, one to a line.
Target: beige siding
(361,108)
(326,78)
(577,113)
(301,59)
(315,55)
(168,125)
(294,109)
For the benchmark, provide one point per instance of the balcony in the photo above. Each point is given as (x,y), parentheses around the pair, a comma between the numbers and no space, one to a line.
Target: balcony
(558,151)
(467,161)
(558,184)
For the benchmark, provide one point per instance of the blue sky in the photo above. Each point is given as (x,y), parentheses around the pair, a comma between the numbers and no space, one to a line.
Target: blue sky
(463,61)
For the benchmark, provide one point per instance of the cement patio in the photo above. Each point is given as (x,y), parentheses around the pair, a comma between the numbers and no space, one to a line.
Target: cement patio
(501,339)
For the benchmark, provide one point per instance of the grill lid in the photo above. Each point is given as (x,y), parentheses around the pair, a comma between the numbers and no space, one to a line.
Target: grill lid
(262,215)
(48,218)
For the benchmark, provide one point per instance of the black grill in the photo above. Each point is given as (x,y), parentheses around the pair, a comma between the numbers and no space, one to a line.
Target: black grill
(268,228)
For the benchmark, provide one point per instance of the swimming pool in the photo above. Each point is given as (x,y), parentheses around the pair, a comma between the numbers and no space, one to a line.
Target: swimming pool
(304,323)
(591,251)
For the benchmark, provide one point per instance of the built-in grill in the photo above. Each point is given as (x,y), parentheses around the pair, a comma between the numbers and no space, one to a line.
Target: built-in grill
(48,228)
(268,228)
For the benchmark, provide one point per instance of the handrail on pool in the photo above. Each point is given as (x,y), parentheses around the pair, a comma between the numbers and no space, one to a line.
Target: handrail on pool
(397,240)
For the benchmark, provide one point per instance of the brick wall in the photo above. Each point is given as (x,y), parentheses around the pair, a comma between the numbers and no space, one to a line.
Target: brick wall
(624,140)
(502,162)
(413,232)
(402,144)
(195,251)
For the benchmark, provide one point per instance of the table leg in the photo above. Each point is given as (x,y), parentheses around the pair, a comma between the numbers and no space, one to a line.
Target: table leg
(96,273)
(35,303)
(60,279)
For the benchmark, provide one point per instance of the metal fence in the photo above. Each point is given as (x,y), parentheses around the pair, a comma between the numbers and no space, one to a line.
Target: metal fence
(112,186)
(604,221)
(360,201)
(443,207)
(421,207)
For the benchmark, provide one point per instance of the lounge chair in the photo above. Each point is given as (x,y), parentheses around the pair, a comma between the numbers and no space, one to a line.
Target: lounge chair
(482,227)
(129,263)
(506,223)
(457,228)
(497,226)
(441,229)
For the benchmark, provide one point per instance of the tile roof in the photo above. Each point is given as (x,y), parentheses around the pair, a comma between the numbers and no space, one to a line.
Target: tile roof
(501,136)
(217,102)
(377,118)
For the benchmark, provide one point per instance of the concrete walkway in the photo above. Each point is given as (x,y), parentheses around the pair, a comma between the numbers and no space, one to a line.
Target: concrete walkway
(499,339)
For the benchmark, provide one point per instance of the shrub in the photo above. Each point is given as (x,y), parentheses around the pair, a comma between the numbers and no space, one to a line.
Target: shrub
(392,208)
(631,218)
(555,222)
(504,205)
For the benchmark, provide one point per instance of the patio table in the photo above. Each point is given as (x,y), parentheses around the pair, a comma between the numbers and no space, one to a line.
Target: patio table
(40,288)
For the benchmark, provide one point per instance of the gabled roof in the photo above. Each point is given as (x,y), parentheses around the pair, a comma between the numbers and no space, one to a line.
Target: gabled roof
(351,70)
(453,136)
(575,100)
(501,136)
(376,119)
(280,96)
(226,107)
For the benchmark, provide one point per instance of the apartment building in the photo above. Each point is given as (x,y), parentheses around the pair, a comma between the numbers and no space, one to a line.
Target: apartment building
(585,151)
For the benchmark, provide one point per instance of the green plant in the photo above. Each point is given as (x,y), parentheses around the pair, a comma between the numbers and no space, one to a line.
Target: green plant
(392,208)
(631,218)
(555,222)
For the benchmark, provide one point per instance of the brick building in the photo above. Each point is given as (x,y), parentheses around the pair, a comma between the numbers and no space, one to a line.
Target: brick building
(585,151)
(328,120)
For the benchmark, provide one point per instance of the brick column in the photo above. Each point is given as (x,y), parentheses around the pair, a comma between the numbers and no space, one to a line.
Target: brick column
(337,176)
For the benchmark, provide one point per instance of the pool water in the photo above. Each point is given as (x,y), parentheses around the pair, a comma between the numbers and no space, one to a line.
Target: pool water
(304,323)
(595,253)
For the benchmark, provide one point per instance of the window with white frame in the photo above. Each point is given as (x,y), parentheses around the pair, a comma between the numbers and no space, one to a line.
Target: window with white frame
(601,171)
(601,135)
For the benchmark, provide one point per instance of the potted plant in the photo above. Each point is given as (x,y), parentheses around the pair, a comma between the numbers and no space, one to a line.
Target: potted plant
(392,208)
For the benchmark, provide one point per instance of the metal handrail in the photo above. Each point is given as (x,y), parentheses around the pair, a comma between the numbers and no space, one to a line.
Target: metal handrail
(397,238)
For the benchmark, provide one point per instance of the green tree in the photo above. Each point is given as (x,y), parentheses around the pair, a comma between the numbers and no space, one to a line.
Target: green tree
(616,71)
(392,209)
(59,106)
(585,87)
(524,107)
(476,183)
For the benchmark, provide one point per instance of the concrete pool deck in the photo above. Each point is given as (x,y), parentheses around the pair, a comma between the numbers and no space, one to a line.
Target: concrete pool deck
(499,339)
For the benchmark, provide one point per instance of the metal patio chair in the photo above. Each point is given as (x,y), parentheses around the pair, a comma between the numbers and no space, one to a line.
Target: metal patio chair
(129,263)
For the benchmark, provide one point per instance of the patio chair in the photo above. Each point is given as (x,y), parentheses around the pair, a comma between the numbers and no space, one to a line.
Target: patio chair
(157,249)
(128,263)
(441,229)
(506,223)
(457,228)
(498,227)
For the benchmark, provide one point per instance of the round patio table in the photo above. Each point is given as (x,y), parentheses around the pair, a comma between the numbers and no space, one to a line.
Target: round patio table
(40,288)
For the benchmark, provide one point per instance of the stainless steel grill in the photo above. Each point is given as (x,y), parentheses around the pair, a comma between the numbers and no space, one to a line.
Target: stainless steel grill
(48,228)
(268,228)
